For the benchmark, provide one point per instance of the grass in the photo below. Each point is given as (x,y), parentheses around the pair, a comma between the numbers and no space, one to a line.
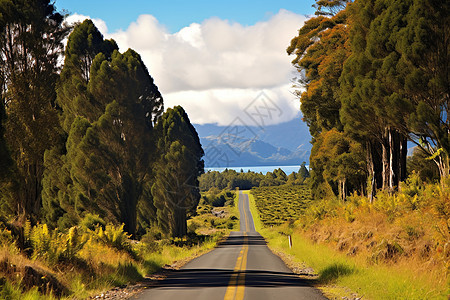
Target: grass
(84,262)
(340,275)
(255,214)
(279,204)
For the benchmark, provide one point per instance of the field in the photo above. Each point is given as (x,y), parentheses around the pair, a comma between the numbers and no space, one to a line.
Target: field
(279,204)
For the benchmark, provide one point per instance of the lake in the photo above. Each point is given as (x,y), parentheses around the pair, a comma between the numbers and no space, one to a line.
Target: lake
(263,169)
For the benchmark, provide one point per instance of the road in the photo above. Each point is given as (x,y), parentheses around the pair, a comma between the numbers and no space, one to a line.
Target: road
(242,267)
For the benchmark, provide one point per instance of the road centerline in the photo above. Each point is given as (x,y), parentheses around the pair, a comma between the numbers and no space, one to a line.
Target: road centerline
(236,285)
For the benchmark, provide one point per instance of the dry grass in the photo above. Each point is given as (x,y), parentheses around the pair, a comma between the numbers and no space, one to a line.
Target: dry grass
(400,242)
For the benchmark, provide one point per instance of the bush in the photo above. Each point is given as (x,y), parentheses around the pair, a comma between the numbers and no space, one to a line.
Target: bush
(91,221)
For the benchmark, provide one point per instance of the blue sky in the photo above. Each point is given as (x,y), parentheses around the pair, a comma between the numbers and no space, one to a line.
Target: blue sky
(212,57)
(176,14)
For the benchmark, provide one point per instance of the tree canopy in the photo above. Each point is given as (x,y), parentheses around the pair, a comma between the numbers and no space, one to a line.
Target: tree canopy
(88,138)
(375,73)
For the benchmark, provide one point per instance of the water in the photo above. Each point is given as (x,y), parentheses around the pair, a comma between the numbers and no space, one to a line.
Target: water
(264,169)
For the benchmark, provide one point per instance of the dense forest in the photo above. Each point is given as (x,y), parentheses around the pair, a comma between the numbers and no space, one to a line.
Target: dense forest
(87,137)
(373,75)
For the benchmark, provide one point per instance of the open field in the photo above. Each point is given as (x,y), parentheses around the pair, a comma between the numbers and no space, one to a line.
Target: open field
(279,204)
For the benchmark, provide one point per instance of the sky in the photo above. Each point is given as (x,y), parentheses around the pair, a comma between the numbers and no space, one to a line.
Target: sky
(225,62)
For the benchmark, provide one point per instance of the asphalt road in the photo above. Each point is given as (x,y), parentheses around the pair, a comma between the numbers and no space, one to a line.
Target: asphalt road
(242,267)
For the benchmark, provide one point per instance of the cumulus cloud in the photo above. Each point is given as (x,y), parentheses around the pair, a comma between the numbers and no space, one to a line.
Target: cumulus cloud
(77,18)
(217,68)
(251,106)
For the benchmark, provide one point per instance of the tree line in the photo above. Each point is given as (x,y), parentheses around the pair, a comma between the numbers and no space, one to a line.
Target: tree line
(89,137)
(374,74)
(230,179)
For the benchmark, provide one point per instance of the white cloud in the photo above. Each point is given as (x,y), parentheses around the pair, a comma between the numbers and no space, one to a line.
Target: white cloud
(252,106)
(99,23)
(215,69)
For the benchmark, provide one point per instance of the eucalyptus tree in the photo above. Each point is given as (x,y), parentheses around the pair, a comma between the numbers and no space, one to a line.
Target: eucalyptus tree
(105,165)
(176,188)
(31,35)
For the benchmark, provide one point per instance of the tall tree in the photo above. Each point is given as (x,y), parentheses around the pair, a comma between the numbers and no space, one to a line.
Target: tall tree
(5,158)
(31,37)
(373,107)
(105,166)
(83,45)
(339,160)
(303,172)
(425,66)
(176,188)
(320,50)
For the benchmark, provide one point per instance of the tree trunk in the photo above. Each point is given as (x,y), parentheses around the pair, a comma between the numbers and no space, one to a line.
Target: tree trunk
(180,228)
(403,157)
(344,189)
(371,184)
(392,159)
(442,162)
(385,160)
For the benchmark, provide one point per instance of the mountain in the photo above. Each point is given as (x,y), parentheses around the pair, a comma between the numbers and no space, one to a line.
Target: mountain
(274,145)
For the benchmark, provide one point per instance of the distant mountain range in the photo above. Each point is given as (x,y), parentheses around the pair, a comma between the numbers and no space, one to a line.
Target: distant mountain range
(239,145)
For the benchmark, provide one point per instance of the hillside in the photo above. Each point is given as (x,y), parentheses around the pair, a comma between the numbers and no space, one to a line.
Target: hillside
(281,144)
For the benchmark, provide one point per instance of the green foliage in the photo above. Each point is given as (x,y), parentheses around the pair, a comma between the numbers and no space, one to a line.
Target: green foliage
(303,172)
(175,190)
(338,165)
(91,222)
(332,272)
(280,204)
(31,38)
(53,246)
(426,169)
(230,179)
(114,236)
(104,167)
(320,49)
(217,198)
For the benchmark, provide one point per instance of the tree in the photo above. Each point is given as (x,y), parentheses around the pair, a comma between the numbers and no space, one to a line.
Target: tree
(424,46)
(31,41)
(420,163)
(176,188)
(5,159)
(341,163)
(320,50)
(105,165)
(373,107)
(83,45)
(303,171)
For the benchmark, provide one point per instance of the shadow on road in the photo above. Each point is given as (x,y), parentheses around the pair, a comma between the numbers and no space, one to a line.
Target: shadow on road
(201,278)
(239,240)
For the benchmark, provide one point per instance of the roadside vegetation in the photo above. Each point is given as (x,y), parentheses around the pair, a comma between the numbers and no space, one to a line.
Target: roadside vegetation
(373,76)
(94,256)
(399,242)
(295,199)
(97,179)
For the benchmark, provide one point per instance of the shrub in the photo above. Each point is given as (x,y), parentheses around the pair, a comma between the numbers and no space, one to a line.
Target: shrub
(91,221)
(114,236)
